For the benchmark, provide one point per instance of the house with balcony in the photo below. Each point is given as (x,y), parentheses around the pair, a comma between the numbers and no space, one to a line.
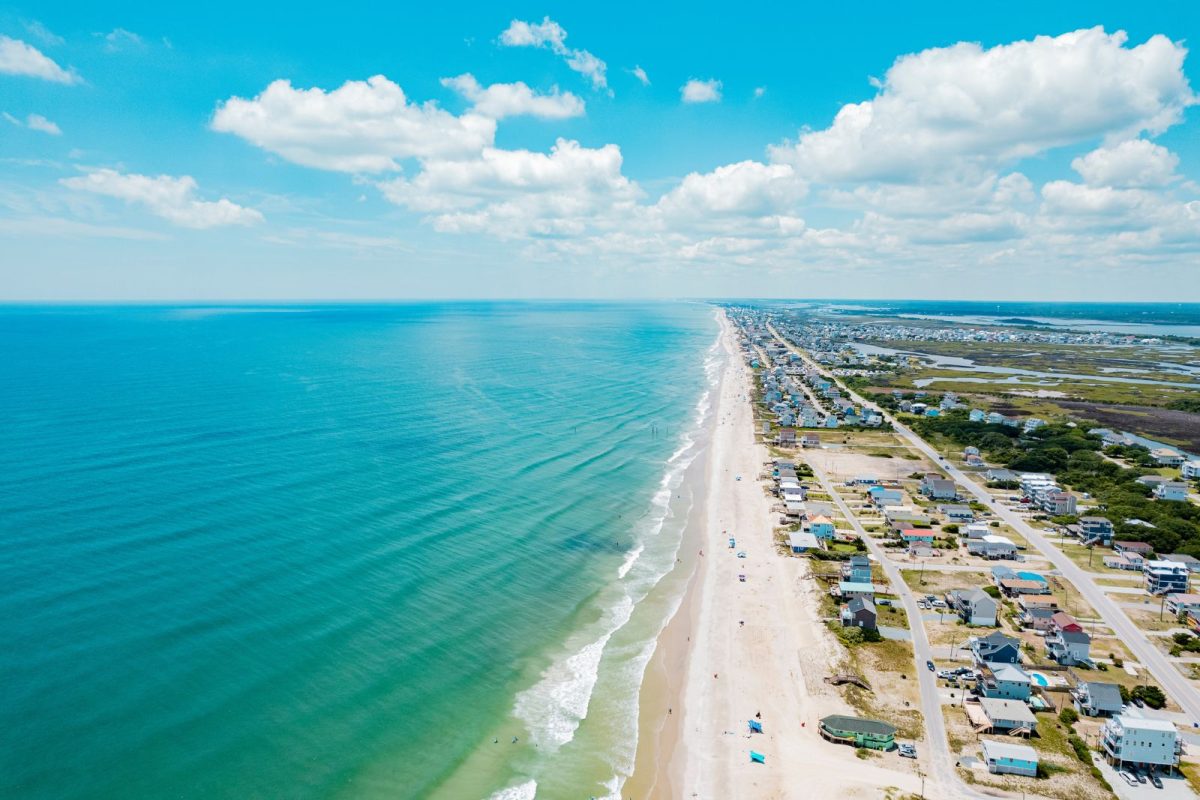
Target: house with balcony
(1182,603)
(1068,647)
(821,527)
(1174,491)
(1096,699)
(857,570)
(1141,742)
(974,606)
(995,648)
(859,613)
(1005,681)
(1007,716)
(1165,577)
(1095,530)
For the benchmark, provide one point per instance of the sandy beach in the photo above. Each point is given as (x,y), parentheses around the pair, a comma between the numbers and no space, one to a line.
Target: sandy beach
(738,649)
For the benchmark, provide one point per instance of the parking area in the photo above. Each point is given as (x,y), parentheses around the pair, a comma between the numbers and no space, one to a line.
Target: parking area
(1175,787)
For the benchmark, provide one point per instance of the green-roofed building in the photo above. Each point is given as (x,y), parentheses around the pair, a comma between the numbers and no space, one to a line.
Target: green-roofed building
(858,732)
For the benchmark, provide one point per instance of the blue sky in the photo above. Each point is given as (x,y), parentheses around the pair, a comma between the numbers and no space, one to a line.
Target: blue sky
(238,153)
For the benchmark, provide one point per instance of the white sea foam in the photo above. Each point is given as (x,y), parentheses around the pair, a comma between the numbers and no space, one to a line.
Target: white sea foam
(520,791)
(554,707)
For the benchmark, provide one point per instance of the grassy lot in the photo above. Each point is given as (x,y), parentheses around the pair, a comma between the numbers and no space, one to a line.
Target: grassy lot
(895,699)
(930,581)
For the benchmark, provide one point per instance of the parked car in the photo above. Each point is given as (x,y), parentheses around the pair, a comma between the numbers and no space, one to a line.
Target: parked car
(907,751)
(1141,778)
(1132,781)
(1155,780)
(1137,701)
(883,601)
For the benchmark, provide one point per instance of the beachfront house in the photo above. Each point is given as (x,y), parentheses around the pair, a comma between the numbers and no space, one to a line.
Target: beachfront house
(996,648)
(858,732)
(1005,681)
(935,487)
(1191,470)
(1009,758)
(1011,716)
(810,439)
(1068,647)
(857,570)
(992,546)
(803,541)
(1165,577)
(852,589)
(1096,699)
(821,527)
(1140,742)
(786,437)
(1175,491)
(974,606)
(859,613)
(976,415)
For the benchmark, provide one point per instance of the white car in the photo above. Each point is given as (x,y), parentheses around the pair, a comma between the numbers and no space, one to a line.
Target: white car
(1132,781)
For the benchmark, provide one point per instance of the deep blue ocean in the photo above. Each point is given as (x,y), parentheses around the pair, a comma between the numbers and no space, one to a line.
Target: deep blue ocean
(329,551)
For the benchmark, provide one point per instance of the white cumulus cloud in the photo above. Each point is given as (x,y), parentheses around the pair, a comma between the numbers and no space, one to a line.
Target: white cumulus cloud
(169,197)
(641,75)
(520,192)
(550,35)
(698,91)
(968,107)
(362,126)
(1133,163)
(21,58)
(501,100)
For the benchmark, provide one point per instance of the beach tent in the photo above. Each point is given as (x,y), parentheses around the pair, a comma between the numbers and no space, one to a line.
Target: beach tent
(757,757)
(755,726)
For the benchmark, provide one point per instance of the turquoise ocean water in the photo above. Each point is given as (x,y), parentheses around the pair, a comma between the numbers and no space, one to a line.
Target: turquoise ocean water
(337,552)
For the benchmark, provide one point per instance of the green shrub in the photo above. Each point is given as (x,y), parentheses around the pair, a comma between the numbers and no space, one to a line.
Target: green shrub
(1150,695)
(1068,716)
(1081,749)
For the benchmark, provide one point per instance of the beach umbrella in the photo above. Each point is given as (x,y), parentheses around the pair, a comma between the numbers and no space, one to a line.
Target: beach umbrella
(757,757)
(756,726)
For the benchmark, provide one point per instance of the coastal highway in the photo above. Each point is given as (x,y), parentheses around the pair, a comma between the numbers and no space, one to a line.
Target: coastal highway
(1153,659)
(941,760)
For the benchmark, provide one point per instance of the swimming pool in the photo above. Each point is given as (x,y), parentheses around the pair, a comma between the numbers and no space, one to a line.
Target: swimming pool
(1031,576)
(1039,679)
